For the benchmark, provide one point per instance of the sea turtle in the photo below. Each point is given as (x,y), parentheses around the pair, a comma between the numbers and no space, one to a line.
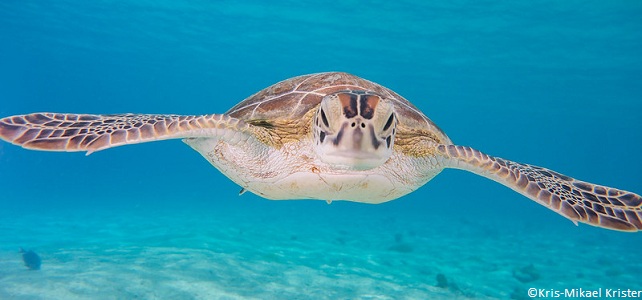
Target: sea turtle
(328,136)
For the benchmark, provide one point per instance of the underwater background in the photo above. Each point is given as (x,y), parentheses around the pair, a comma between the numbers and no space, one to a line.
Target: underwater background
(556,84)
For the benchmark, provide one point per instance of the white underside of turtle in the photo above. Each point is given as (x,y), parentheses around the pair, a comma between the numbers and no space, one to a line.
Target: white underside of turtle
(328,136)
(298,174)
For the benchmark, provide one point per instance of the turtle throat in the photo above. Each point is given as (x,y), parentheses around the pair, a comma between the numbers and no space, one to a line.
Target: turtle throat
(354,130)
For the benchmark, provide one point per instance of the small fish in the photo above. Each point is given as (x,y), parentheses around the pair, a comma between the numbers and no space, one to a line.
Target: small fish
(31,259)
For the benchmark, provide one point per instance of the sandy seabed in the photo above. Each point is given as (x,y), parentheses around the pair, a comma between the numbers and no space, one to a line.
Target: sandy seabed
(303,252)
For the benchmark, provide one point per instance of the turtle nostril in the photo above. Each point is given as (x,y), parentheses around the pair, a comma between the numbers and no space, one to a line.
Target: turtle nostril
(363,125)
(353,124)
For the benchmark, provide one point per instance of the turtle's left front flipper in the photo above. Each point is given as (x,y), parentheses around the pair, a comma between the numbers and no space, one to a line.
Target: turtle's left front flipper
(82,132)
(577,200)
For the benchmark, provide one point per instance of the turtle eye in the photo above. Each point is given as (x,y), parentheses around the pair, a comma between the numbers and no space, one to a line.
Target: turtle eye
(324,118)
(389,122)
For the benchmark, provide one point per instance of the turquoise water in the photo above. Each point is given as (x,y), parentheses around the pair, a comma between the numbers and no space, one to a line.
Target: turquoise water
(550,83)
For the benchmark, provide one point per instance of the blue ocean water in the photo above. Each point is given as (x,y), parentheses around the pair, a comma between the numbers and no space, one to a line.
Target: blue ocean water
(550,83)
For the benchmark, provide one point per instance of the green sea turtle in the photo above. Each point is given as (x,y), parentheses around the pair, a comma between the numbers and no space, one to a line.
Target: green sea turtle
(328,136)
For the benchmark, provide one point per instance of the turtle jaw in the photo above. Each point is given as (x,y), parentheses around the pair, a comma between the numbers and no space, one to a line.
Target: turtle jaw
(353,160)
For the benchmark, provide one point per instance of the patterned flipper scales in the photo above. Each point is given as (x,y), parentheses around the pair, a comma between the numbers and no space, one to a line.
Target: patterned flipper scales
(576,200)
(81,132)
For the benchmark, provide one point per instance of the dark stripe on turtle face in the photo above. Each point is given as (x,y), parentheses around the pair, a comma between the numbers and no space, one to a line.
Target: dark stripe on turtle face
(349,104)
(389,122)
(373,138)
(337,140)
(324,119)
(368,104)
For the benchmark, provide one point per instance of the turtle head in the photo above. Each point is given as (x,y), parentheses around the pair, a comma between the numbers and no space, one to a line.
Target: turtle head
(355,129)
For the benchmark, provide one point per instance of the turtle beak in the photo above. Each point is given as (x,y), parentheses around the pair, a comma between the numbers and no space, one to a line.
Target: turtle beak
(356,143)
(356,136)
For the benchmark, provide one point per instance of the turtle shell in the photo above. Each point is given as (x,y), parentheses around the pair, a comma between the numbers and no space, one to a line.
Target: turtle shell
(293,98)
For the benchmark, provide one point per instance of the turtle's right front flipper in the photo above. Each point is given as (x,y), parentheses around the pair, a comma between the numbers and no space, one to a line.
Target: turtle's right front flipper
(83,132)
(577,200)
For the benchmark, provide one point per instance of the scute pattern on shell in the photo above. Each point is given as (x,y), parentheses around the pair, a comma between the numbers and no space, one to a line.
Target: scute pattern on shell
(293,98)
